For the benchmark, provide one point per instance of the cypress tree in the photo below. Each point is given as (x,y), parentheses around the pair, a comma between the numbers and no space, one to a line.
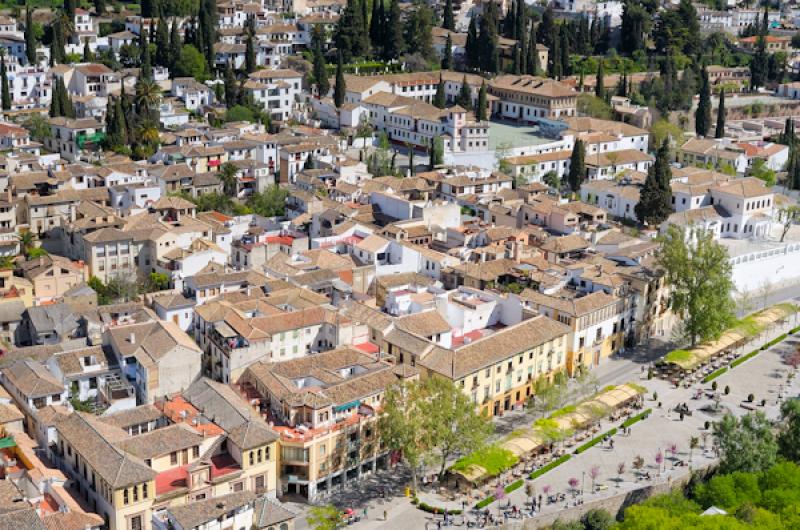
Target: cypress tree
(100,7)
(481,112)
(55,100)
(759,65)
(175,46)
(554,58)
(488,43)
(577,166)
(231,88)
(69,8)
(146,8)
(440,99)
(447,56)
(655,199)
(320,66)
(67,109)
(162,45)
(464,99)
(794,173)
(146,67)
(564,48)
(340,89)
(472,47)
(250,55)
(622,86)
(377,25)
(120,123)
(546,31)
(515,60)
(534,67)
(702,116)
(206,30)
(720,132)
(523,50)
(510,22)
(599,88)
(87,52)
(521,26)
(448,20)
(364,27)
(393,45)
(6,94)
(30,38)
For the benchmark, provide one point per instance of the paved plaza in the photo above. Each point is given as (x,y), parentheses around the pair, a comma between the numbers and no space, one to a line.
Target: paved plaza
(764,376)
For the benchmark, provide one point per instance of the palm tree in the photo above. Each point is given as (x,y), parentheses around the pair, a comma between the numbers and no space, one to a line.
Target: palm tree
(694,441)
(148,133)
(148,95)
(227,174)
(26,241)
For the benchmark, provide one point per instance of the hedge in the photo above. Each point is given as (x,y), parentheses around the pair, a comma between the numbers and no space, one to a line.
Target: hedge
(713,375)
(552,465)
(594,441)
(774,341)
(517,484)
(630,421)
(795,330)
(433,509)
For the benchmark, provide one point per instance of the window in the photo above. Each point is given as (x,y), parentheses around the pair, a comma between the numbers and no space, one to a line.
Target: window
(136,522)
(173,458)
(125,499)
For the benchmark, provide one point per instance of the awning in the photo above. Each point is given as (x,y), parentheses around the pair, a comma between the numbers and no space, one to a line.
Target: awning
(7,442)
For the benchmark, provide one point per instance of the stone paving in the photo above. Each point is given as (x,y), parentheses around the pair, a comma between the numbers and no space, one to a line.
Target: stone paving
(764,376)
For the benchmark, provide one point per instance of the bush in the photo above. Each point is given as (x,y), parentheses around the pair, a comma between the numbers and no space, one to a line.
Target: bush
(707,425)
(727,390)
(435,509)
(714,385)
(655,396)
(594,441)
(750,398)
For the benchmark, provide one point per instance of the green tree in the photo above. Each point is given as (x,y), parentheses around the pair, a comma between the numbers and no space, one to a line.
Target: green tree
(655,198)
(439,99)
(597,519)
(326,517)
(760,170)
(698,273)
(38,127)
(746,443)
(377,25)
(472,46)
(551,179)
(595,107)
(662,130)
(464,98)
(702,116)
(269,203)
(720,130)
(635,26)
(789,430)
(6,94)
(418,35)
(30,37)
(436,153)
(481,112)
(403,425)
(192,63)
(340,89)
(451,416)
(99,7)
(231,88)
(577,166)
(156,281)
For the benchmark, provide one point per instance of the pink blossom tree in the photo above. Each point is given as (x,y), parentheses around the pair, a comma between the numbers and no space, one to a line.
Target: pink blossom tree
(594,472)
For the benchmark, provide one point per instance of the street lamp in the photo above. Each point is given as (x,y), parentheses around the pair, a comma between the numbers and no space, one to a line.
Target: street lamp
(583,481)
